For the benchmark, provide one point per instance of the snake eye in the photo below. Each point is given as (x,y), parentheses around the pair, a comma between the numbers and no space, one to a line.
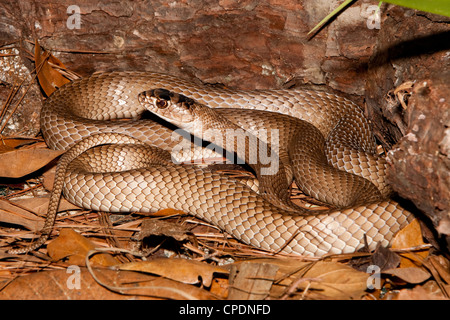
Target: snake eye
(162,104)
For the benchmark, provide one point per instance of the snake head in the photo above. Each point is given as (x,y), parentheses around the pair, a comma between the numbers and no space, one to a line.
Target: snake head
(173,107)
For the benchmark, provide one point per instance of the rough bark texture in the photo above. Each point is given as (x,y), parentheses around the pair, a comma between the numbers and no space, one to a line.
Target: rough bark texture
(246,44)
(415,57)
(420,162)
(263,44)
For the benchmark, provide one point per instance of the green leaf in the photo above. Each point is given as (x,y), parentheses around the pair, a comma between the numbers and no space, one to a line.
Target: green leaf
(441,7)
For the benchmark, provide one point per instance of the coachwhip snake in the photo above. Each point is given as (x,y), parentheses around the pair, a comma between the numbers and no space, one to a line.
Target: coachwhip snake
(76,116)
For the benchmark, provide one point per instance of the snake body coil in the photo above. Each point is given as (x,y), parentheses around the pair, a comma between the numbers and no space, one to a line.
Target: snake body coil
(78,112)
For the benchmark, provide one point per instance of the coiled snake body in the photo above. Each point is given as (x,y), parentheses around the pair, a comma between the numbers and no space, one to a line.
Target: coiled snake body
(78,112)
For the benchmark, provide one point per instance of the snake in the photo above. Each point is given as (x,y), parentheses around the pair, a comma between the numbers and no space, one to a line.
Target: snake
(128,165)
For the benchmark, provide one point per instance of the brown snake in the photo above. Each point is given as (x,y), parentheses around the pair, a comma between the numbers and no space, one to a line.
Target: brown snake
(124,178)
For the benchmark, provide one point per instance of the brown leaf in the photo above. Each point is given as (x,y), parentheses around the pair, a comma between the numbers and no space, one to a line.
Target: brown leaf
(39,205)
(57,284)
(75,247)
(182,270)
(26,212)
(220,287)
(410,275)
(251,281)
(10,213)
(79,285)
(442,266)
(19,163)
(385,258)
(429,291)
(48,178)
(135,283)
(49,78)
(8,144)
(5,148)
(331,279)
(337,280)
(409,237)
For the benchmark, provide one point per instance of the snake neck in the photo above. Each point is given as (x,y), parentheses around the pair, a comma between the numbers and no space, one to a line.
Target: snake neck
(256,153)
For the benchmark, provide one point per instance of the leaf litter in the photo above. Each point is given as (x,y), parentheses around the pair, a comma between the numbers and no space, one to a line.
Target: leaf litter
(169,255)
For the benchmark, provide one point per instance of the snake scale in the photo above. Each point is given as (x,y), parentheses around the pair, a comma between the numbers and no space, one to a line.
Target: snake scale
(136,172)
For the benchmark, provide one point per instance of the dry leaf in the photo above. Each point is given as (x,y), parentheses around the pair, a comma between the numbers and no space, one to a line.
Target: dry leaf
(442,266)
(331,279)
(220,287)
(75,247)
(8,144)
(22,218)
(251,281)
(48,178)
(411,275)
(384,258)
(49,78)
(57,284)
(19,163)
(26,212)
(134,283)
(39,205)
(5,148)
(12,214)
(182,270)
(409,237)
(428,291)
(78,284)
(337,280)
